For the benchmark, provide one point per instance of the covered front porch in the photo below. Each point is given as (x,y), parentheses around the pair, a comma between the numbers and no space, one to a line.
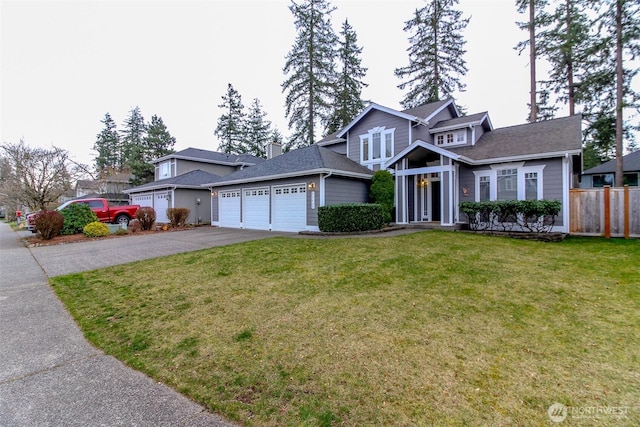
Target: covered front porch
(426,185)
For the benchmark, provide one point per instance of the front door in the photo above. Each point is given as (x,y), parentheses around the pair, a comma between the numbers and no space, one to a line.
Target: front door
(435,201)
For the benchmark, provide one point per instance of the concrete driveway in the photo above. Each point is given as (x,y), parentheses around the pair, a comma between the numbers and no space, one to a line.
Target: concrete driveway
(57,260)
(49,374)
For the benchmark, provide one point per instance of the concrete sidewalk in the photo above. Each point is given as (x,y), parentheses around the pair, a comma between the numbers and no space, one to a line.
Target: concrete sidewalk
(49,374)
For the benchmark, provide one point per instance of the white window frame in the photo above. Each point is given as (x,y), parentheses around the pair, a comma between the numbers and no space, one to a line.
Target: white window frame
(456,137)
(162,173)
(492,173)
(370,161)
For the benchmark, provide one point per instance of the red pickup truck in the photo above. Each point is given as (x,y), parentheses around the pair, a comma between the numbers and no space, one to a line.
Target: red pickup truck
(104,212)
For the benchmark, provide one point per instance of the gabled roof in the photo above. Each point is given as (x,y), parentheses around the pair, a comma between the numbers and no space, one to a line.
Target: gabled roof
(193,179)
(421,114)
(630,163)
(427,111)
(419,144)
(300,162)
(459,122)
(206,156)
(330,139)
(544,139)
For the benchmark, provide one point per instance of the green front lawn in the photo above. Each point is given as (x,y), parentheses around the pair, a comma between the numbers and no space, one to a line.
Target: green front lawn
(431,328)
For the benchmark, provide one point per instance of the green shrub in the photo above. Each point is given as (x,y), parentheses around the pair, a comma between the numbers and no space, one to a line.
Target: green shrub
(178,216)
(351,217)
(76,216)
(146,217)
(505,215)
(95,229)
(382,192)
(49,224)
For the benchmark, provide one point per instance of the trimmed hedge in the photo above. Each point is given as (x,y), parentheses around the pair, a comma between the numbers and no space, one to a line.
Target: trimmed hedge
(49,224)
(382,191)
(96,229)
(538,216)
(351,217)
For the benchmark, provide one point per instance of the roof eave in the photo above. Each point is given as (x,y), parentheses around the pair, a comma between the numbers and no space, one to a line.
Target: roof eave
(522,157)
(289,175)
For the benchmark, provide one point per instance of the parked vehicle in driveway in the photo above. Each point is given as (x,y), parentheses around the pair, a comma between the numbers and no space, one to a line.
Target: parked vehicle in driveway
(100,206)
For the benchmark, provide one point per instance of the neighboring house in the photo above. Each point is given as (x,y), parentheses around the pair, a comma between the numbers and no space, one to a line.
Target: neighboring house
(438,157)
(604,174)
(110,185)
(178,182)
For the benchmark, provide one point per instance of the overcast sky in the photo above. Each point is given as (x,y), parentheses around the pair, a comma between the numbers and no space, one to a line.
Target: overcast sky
(65,64)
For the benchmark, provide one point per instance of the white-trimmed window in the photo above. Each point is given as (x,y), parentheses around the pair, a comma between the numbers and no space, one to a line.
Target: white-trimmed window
(457,137)
(164,170)
(376,146)
(509,182)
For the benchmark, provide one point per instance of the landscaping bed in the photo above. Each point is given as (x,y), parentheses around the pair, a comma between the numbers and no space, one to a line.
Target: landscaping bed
(37,240)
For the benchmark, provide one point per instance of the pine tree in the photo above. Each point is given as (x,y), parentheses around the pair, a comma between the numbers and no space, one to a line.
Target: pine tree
(537,17)
(310,70)
(436,54)
(607,87)
(131,137)
(230,129)
(563,45)
(107,146)
(348,90)
(257,130)
(157,143)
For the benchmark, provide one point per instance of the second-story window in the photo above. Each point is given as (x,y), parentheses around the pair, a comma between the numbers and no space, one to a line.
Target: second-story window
(164,170)
(376,146)
(452,138)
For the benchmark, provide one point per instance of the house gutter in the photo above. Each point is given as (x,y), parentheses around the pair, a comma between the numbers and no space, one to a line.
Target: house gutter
(323,186)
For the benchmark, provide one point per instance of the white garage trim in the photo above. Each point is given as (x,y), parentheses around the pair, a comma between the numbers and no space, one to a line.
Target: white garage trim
(289,207)
(255,208)
(229,208)
(161,201)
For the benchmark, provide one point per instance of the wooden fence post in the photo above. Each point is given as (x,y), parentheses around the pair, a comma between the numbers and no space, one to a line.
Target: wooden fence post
(607,211)
(627,213)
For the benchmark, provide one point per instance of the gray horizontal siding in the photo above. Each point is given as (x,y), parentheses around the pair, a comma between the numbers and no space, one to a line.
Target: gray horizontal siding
(198,213)
(184,166)
(343,190)
(377,118)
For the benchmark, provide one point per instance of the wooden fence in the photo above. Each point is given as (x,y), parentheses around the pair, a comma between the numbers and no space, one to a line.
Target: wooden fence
(609,212)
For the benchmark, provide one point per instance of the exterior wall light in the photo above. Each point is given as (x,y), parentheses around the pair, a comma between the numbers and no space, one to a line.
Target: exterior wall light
(312,186)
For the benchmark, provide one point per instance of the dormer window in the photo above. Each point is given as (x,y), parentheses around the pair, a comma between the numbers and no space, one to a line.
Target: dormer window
(458,137)
(164,170)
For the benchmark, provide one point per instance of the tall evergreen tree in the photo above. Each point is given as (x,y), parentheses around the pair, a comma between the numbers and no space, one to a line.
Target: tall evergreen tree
(436,54)
(537,18)
(156,143)
(258,130)
(348,90)
(132,137)
(310,70)
(230,129)
(107,146)
(608,89)
(563,45)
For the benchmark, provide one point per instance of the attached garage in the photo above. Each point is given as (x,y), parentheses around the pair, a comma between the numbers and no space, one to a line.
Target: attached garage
(161,204)
(289,210)
(229,205)
(255,208)
(144,199)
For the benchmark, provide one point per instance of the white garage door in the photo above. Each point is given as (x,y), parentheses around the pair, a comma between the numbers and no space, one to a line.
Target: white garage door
(229,209)
(142,199)
(255,208)
(289,208)
(161,203)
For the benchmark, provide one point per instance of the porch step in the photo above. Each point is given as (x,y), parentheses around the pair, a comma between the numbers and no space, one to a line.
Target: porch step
(435,226)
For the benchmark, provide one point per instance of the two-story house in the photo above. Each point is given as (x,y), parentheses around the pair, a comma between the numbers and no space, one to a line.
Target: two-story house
(178,181)
(438,158)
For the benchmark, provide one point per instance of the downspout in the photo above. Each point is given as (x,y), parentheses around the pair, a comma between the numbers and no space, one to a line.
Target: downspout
(473,134)
(323,187)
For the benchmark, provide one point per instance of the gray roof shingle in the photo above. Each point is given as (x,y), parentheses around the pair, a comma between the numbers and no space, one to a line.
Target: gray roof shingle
(460,120)
(193,179)
(206,156)
(630,163)
(298,162)
(531,139)
(425,110)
